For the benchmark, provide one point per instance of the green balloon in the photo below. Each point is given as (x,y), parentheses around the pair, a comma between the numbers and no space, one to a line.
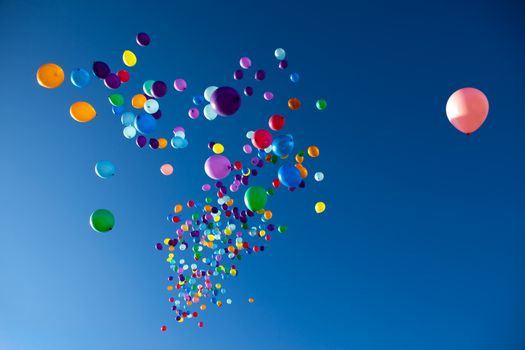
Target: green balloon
(102,220)
(116,100)
(320,104)
(255,198)
(281,229)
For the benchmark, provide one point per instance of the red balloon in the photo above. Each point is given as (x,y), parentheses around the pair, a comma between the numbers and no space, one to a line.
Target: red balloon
(276,122)
(262,139)
(163,328)
(123,75)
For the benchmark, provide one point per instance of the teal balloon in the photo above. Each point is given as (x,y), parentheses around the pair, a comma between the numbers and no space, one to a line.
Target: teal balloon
(146,87)
(255,198)
(80,77)
(105,169)
(127,118)
(282,145)
(289,175)
(102,220)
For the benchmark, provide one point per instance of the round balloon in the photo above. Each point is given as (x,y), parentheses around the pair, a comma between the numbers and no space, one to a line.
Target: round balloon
(209,91)
(143,39)
(145,123)
(82,111)
(166,169)
(225,100)
(112,81)
(294,103)
(467,109)
(50,75)
(151,106)
(319,176)
(127,118)
(129,58)
(180,84)
(280,54)
(320,207)
(276,122)
(289,175)
(282,145)
(320,104)
(159,89)
(262,138)
(102,220)
(255,198)
(105,169)
(217,167)
(80,77)
(101,69)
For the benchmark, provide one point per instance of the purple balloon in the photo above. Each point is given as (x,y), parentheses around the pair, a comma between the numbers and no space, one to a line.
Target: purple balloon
(217,167)
(101,69)
(141,141)
(154,143)
(143,39)
(248,91)
(159,89)
(283,64)
(112,81)
(157,114)
(225,101)
(260,75)
(238,74)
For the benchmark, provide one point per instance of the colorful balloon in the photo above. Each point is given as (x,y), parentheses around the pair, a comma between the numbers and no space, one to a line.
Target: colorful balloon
(320,207)
(262,139)
(180,84)
(166,169)
(260,75)
(280,54)
(50,75)
(320,104)
(82,111)
(294,103)
(276,122)
(123,75)
(159,89)
(145,123)
(146,87)
(255,198)
(289,175)
(209,112)
(217,167)
(80,77)
(102,220)
(319,176)
(226,101)
(105,169)
(129,58)
(130,131)
(112,81)
(101,69)
(151,106)
(245,62)
(467,109)
(268,95)
(116,99)
(282,145)
(138,101)
(294,77)
(313,151)
(209,91)
(143,39)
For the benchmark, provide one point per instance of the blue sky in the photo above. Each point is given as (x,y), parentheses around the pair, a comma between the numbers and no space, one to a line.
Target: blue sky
(421,246)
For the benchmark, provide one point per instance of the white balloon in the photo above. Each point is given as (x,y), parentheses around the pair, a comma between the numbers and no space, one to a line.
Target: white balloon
(318,176)
(280,54)
(249,134)
(151,106)
(209,91)
(209,112)
(129,132)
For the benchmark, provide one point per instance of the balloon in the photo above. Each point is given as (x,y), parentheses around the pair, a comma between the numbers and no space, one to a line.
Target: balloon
(313,151)
(80,77)
(143,39)
(251,300)
(225,100)
(260,75)
(294,103)
(163,143)
(209,91)
(294,77)
(467,109)
(268,95)
(116,99)
(193,113)
(151,106)
(302,170)
(276,122)
(123,75)
(102,220)
(261,139)
(157,114)
(280,54)
(50,75)
(166,169)
(318,176)
(129,131)
(198,100)
(238,74)
(248,91)
(117,110)
(163,328)
(145,123)
(101,69)
(289,175)
(320,207)
(282,145)
(255,198)
(209,112)
(247,149)
(105,169)
(146,87)
(141,141)
(82,111)
(320,104)
(138,101)
(283,64)
(245,62)
(218,148)
(129,58)
(180,84)
(112,81)
(159,89)
(217,167)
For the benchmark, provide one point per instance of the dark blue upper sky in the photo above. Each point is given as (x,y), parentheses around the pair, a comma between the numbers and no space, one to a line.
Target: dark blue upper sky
(421,246)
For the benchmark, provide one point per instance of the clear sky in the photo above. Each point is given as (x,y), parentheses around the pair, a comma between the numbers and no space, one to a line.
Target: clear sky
(421,246)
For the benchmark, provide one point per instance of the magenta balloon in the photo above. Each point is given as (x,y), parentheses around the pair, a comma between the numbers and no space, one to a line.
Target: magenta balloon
(467,109)
(217,167)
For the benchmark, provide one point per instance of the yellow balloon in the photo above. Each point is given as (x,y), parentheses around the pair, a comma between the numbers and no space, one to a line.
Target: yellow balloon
(129,58)
(218,148)
(320,207)
(138,101)
(50,75)
(82,111)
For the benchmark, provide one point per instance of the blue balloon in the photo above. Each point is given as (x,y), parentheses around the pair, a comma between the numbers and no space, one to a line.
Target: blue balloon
(145,123)
(294,77)
(127,118)
(282,145)
(105,169)
(117,110)
(198,100)
(80,77)
(289,175)
(178,142)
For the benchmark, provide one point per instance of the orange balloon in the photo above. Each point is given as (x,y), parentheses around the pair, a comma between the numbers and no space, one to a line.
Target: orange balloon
(163,142)
(313,151)
(299,158)
(302,170)
(50,75)
(82,111)
(178,208)
(294,103)
(268,215)
(138,101)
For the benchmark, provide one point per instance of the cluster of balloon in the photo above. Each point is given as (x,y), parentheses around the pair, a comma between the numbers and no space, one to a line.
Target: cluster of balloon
(467,109)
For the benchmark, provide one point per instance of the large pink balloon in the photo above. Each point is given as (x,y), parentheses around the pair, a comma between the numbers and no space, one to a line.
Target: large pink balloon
(467,109)
(217,167)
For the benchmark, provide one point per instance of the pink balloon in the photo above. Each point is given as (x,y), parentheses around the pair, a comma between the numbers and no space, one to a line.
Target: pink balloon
(217,167)
(467,109)
(166,169)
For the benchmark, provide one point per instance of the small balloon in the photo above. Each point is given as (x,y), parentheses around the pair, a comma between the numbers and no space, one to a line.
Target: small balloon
(101,69)
(467,109)
(105,169)
(218,148)
(129,58)
(313,151)
(320,207)
(289,175)
(82,111)
(193,113)
(209,112)
(145,123)
(260,75)
(180,84)
(80,77)
(282,145)
(294,103)
(320,104)
(50,75)
(276,122)
(319,176)
(280,54)
(268,96)
(151,106)
(102,220)
(208,92)
(245,62)
(138,101)
(159,89)
(112,81)
(217,167)
(130,131)
(261,139)
(225,101)
(294,77)
(248,91)
(166,169)
(146,87)
(143,39)
(255,198)
(123,75)
(116,99)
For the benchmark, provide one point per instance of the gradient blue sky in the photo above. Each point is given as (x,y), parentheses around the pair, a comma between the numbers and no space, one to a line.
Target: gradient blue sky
(421,246)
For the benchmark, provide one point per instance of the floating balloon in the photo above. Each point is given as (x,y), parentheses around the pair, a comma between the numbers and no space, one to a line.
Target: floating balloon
(101,69)
(268,96)
(159,89)
(245,62)
(289,175)
(467,109)
(105,169)
(193,113)
(294,103)
(313,151)
(141,141)
(282,145)
(209,112)
(112,81)
(218,148)
(217,167)
(283,64)
(255,198)
(320,207)
(50,75)
(260,75)
(151,106)
(82,111)
(180,84)
(280,54)
(116,99)
(226,101)
(138,101)
(208,92)
(248,91)
(123,75)
(129,58)
(276,122)
(130,131)
(166,169)
(319,176)
(143,39)
(294,77)
(238,74)
(80,77)
(262,139)
(102,220)
(320,104)
(145,123)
